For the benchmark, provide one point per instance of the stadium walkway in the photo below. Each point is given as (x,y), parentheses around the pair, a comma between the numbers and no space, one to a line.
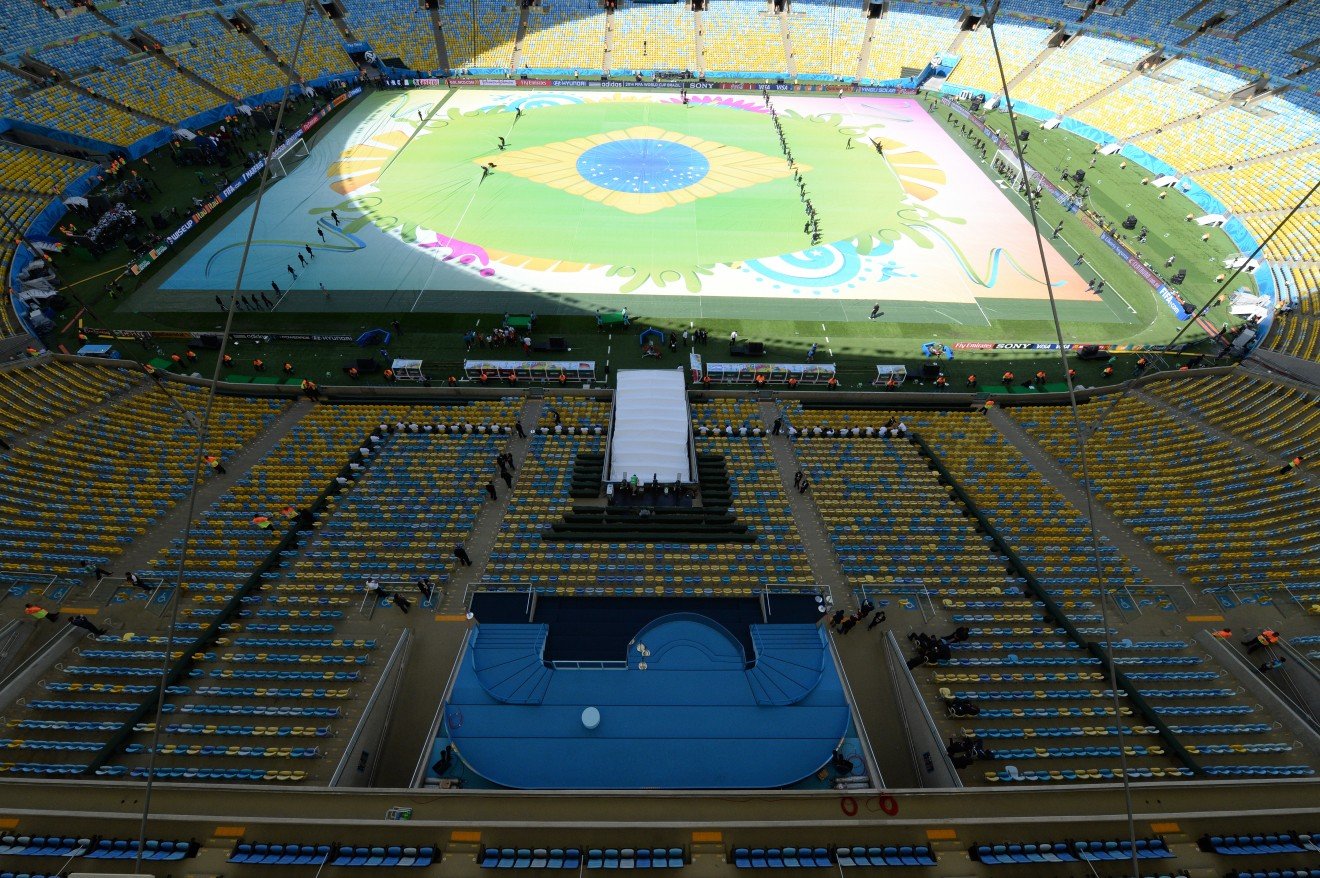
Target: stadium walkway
(1268,459)
(1149,564)
(21,440)
(172,524)
(439,635)
(861,652)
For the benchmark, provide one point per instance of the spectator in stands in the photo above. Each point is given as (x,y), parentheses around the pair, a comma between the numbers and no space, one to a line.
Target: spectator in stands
(401,602)
(90,569)
(490,489)
(1291,465)
(32,611)
(1267,638)
(133,580)
(87,625)
(1270,665)
(460,552)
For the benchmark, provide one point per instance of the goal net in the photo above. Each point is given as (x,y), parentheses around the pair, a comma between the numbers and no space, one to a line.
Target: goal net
(287,157)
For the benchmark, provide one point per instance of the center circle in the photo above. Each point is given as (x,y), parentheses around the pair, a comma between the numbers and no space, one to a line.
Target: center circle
(642,165)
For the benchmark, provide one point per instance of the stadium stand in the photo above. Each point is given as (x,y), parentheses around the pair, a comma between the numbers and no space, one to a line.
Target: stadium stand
(95,483)
(60,107)
(480,37)
(1297,239)
(1273,183)
(904,40)
(61,389)
(395,29)
(740,35)
(1018,45)
(566,36)
(1074,72)
(652,36)
(27,169)
(1140,470)
(1143,103)
(827,38)
(215,51)
(1280,418)
(1231,134)
(279,24)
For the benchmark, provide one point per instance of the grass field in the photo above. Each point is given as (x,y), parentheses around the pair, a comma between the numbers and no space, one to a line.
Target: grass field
(537,223)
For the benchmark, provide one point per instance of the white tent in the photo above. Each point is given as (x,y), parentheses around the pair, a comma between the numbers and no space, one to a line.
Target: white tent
(652,429)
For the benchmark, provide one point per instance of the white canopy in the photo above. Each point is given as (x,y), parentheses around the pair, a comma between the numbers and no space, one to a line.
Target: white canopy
(651,430)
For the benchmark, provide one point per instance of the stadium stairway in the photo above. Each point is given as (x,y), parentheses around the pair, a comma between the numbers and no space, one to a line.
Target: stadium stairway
(170,527)
(1300,420)
(66,392)
(1151,565)
(825,569)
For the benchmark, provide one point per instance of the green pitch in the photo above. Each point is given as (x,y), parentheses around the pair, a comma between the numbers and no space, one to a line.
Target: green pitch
(685,215)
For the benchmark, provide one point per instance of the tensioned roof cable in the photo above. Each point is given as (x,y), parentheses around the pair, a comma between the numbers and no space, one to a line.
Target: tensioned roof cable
(1085,471)
(203,433)
(1082,435)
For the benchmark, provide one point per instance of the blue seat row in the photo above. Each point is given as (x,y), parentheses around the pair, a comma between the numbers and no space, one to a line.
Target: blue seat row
(531,858)
(1069,852)
(388,857)
(107,849)
(777,858)
(1250,845)
(636,858)
(1263,873)
(279,854)
(97,849)
(891,855)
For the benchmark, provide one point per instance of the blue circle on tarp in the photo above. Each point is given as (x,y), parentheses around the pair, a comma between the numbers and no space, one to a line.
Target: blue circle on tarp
(642,165)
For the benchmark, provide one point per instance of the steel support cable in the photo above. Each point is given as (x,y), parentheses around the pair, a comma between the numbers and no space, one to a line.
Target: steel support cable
(203,431)
(1081,452)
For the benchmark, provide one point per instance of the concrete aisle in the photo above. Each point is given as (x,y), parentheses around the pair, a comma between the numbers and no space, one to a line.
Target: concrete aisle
(438,636)
(860,651)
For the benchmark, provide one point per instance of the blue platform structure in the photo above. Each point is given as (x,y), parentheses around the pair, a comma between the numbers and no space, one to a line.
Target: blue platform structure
(686,708)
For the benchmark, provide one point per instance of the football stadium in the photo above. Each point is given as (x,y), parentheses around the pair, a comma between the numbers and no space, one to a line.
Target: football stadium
(705,436)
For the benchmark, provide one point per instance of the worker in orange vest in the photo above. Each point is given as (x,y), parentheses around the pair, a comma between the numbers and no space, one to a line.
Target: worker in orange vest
(484,377)
(388,374)
(833,382)
(227,361)
(288,368)
(941,382)
(261,521)
(1008,379)
(32,611)
(1108,372)
(214,463)
(191,355)
(971,382)
(258,365)
(892,383)
(353,372)
(176,359)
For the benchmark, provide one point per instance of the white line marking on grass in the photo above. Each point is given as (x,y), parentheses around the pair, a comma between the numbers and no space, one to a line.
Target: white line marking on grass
(827,339)
(950,316)
(822,327)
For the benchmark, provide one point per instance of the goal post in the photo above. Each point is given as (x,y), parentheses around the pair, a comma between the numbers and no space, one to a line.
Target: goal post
(288,157)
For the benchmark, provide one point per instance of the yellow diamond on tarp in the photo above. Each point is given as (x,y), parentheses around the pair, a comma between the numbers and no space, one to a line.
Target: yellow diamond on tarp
(641,169)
